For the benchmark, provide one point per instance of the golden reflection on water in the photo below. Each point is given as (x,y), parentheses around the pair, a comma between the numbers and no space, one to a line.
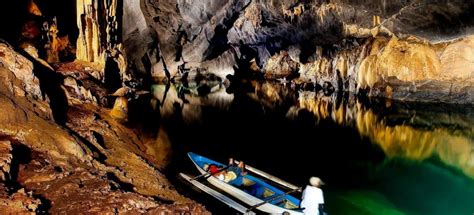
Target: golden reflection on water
(453,148)
(438,136)
(190,109)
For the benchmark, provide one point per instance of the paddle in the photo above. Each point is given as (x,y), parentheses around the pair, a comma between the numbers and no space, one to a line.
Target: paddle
(273,198)
(208,173)
(268,176)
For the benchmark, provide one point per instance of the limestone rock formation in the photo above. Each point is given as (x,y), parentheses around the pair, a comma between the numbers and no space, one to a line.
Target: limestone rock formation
(281,66)
(99,39)
(101,165)
(19,202)
(344,45)
(22,69)
(67,120)
(5,160)
(140,42)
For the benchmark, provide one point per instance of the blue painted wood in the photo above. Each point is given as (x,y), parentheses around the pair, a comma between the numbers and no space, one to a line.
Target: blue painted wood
(256,190)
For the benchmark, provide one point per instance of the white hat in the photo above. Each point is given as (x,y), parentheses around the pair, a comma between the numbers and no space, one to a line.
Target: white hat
(315,181)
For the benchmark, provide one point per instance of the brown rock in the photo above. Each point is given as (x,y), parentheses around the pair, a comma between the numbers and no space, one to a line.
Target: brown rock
(81,84)
(280,66)
(5,159)
(98,35)
(253,13)
(124,150)
(98,166)
(120,109)
(17,203)
(457,60)
(22,68)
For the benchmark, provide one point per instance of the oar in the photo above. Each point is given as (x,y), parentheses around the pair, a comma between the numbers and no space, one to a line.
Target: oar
(268,176)
(273,198)
(208,173)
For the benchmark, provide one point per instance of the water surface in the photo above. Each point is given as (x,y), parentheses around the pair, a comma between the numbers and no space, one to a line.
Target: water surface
(376,156)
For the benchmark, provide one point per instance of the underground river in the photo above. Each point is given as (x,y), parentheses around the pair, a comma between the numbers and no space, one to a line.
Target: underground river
(376,156)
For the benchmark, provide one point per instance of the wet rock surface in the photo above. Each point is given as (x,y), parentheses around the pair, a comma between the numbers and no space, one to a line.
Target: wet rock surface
(90,164)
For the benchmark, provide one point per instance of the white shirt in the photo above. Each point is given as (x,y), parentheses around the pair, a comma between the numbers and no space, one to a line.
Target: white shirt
(312,197)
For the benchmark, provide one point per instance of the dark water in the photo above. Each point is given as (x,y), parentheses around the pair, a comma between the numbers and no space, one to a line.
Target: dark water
(376,156)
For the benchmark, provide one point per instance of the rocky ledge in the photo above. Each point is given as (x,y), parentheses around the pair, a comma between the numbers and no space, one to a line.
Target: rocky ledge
(62,151)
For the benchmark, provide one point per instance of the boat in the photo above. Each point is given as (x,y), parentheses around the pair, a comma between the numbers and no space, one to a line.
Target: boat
(252,190)
(219,196)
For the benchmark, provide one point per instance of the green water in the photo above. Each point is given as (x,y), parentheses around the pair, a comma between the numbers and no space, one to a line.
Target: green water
(407,187)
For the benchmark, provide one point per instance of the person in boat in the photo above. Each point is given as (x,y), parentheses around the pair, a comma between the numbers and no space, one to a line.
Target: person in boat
(213,169)
(220,173)
(234,172)
(239,169)
(313,199)
(230,174)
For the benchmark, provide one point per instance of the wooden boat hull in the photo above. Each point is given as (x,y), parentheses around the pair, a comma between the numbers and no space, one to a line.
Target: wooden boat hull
(238,193)
(224,199)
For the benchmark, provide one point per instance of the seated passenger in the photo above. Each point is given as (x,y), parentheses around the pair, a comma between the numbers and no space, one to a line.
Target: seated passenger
(220,173)
(234,172)
(213,169)
(239,169)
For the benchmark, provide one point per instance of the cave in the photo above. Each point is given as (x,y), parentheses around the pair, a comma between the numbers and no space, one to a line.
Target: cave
(170,106)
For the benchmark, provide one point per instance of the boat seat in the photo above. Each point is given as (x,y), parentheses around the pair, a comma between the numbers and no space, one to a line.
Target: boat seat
(290,205)
(247,182)
(267,193)
(243,183)
(257,191)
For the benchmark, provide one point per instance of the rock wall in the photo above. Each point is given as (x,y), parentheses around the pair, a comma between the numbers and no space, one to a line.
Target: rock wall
(140,42)
(407,69)
(394,49)
(101,165)
(100,24)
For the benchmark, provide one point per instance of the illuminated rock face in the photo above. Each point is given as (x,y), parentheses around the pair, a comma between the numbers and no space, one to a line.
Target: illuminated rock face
(23,70)
(93,29)
(407,69)
(457,60)
(139,39)
(99,23)
(348,45)
(280,66)
(404,60)
(414,70)
(75,158)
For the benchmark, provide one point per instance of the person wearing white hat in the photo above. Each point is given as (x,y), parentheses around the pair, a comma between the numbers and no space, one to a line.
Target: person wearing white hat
(313,199)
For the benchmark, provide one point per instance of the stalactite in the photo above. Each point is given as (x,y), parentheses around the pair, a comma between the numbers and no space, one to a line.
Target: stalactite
(99,38)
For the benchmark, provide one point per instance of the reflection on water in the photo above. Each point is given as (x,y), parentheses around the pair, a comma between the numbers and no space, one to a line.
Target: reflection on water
(405,138)
(379,157)
(186,102)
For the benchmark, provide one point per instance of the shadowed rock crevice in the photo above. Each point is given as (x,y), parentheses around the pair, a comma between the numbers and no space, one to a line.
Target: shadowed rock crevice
(219,42)
(51,85)
(21,155)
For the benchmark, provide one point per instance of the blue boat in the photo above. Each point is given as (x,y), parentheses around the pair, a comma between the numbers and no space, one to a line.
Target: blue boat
(252,190)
